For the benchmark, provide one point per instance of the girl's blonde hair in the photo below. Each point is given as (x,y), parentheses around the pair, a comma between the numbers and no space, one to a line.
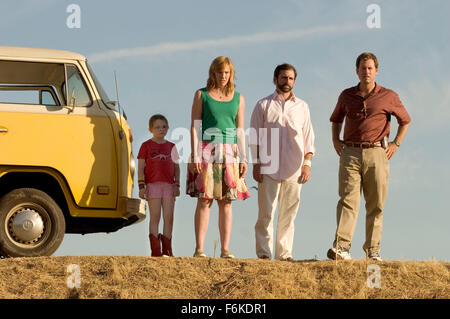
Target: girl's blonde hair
(217,65)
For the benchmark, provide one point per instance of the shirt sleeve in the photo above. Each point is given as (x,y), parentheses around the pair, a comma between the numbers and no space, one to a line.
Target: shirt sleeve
(142,152)
(256,122)
(399,111)
(308,133)
(338,114)
(174,154)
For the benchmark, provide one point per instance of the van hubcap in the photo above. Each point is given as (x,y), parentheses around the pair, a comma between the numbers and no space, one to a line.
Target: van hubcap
(26,226)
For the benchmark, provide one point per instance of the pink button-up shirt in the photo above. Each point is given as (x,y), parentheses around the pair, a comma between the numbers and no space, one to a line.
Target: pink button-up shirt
(284,133)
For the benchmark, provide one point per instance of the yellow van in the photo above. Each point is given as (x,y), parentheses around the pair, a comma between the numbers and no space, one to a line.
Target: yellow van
(66,162)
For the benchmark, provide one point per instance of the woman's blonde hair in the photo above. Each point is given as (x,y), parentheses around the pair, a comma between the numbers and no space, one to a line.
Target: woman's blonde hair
(217,65)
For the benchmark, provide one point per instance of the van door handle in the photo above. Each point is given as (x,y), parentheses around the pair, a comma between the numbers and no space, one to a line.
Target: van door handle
(3,130)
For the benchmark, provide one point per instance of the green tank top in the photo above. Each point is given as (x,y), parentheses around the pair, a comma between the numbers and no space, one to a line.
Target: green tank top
(219,118)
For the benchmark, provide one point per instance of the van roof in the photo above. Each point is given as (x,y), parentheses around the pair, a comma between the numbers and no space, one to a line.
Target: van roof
(24,52)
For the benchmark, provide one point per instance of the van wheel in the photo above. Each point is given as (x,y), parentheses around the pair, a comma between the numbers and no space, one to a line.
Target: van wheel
(31,224)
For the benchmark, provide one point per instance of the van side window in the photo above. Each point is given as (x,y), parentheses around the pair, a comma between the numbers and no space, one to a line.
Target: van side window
(15,95)
(32,83)
(78,94)
(47,98)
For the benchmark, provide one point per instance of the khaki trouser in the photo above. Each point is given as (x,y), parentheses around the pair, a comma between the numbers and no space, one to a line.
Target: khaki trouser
(288,195)
(366,170)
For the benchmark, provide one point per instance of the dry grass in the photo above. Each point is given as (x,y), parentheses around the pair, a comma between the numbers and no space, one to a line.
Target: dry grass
(130,277)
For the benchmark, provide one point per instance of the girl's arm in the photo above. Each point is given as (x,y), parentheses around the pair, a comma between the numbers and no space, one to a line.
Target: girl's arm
(141,177)
(177,174)
(177,180)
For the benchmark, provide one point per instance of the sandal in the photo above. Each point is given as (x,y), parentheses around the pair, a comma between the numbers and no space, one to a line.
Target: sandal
(199,253)
(226,254)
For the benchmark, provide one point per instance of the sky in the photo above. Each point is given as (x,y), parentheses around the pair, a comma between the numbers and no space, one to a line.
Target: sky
(161,52)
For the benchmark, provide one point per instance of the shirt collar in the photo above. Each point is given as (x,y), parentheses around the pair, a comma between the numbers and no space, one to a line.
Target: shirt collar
(375,90)
(291,97)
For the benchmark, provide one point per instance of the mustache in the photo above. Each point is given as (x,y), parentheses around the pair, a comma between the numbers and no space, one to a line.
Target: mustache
(285,88)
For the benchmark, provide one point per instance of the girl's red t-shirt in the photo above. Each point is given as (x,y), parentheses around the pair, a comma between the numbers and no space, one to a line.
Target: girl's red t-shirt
(160,160)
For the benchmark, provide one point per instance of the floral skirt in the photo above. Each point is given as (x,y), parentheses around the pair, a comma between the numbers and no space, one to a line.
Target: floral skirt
(219,178)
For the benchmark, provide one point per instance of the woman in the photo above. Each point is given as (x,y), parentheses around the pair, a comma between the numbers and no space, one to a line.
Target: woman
(218,162)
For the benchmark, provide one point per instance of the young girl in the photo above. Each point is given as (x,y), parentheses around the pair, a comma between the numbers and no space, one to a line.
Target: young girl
(159,183)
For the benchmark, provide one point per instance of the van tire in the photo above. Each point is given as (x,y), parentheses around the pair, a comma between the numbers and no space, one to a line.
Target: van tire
(42,219)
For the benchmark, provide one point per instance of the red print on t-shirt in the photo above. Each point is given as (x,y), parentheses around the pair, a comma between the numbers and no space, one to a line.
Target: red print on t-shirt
(162,157)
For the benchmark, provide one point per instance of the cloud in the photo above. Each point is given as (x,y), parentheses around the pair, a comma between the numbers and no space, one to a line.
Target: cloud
(427,100)
(175,47)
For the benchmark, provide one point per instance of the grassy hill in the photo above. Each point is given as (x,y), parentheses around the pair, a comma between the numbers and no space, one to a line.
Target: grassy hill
(131,277)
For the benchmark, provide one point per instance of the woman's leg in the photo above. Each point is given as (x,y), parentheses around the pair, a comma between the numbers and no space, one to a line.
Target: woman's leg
(225,223)
(201,222)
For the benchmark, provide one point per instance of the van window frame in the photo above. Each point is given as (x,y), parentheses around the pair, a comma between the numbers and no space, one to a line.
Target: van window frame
(104,97)
(65,85)
(31,87)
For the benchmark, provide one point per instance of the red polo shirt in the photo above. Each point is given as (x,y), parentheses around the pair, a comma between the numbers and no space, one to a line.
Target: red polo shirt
(368,119)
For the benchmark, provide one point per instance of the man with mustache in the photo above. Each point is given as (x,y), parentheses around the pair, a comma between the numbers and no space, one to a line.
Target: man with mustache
(282,145)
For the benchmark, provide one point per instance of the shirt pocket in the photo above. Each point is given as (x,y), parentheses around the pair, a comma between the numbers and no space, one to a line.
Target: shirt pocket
(294,127)
(355,110)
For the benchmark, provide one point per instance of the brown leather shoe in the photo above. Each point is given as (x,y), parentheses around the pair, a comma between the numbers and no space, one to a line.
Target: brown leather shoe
(263,257)
(287,259)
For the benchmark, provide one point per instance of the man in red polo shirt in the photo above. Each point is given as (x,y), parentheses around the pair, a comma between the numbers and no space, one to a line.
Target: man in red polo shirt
(364,154)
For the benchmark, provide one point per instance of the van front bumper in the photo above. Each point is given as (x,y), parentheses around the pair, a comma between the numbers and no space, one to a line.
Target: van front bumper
(131,211)
(134,210)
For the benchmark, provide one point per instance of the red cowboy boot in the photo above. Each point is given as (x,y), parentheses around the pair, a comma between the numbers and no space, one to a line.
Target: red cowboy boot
(155,246)
(166,245)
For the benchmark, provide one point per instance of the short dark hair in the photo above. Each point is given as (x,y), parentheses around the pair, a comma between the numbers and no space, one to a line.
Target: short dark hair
(157,117)
(367,56)
(283,67)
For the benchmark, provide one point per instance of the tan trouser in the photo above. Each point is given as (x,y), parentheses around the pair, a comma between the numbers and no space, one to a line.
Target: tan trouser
(366,170)
(288,195)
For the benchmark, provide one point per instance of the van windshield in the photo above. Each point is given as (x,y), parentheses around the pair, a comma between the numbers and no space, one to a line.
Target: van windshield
(100,89)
